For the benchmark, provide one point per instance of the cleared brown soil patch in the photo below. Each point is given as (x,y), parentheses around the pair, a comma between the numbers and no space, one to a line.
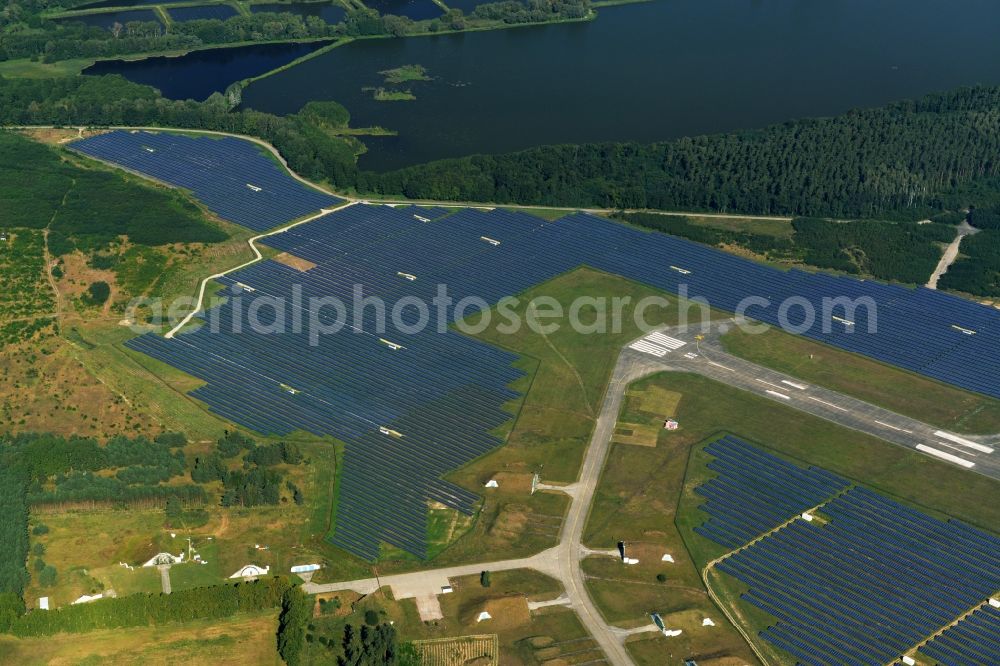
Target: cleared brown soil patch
(298,263)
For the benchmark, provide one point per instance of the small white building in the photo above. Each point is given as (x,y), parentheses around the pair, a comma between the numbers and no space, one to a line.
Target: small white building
(162,559)
(43,603)
(483,617)
(492,483)
(251,571)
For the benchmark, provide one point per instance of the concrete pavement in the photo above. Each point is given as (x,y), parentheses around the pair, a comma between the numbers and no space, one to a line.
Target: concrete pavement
(707,358)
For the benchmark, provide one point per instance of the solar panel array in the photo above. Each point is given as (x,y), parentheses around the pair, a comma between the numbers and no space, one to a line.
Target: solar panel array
(756,491)
(352,384)
(974,641)
(443,393)
(230,176)
(935,334)
(864,583)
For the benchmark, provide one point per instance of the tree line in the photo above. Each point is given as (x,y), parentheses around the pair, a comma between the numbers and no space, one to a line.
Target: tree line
(147,609)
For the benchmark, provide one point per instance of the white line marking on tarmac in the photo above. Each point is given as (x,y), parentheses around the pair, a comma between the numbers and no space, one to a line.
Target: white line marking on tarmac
(719,365)
(778,395)
(963,442)
(801,387)
(955,448)
(765,382)
(828,404)
(946,456)
(889,425)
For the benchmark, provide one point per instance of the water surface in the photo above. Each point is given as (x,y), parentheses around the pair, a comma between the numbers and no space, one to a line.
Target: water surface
(200,73)
(641,72)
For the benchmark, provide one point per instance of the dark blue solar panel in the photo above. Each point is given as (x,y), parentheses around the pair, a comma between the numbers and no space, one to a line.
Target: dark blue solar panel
(351,383)
(866,582)
(231,177)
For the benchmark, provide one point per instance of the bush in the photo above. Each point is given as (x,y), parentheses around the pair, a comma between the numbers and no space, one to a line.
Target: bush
(98,293)
(484,579)
(371,618)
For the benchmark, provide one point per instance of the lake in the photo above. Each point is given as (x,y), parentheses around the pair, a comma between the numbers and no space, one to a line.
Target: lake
(200,73)
(641,72)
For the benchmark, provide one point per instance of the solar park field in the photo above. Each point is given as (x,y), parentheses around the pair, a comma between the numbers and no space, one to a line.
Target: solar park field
(413,406)
(865,581)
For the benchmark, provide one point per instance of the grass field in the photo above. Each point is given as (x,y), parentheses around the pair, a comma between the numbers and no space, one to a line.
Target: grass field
(241,640)
(776,228)
(646,495)
(23,68)
(906,393)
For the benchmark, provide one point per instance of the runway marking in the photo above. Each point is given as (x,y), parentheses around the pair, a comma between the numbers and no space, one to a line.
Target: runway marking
(963,442)
(955,448)
(889,425)
(670,343)
(828,404)
(719,365)
(946,456)
(648,348)
(766,382)
(778,395)
(801,387)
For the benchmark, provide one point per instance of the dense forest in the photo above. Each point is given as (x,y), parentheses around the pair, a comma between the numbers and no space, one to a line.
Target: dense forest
(977,270)
(13,537)
(903,162)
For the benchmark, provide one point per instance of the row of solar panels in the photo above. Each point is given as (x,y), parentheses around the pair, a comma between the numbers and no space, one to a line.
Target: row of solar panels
(974,641)
(757,491)
(232,177)
(863,582)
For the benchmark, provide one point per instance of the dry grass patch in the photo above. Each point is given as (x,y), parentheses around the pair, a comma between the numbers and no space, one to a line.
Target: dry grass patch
(298,263)
(245,639)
